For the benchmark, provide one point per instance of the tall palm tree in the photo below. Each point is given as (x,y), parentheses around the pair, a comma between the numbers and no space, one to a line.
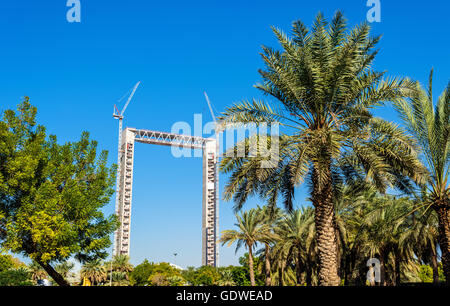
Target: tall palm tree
(251,230)
(430,125)
(323,88)
(94,271)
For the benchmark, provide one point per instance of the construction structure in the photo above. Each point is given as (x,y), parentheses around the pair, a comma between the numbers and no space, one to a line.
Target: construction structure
(210,187)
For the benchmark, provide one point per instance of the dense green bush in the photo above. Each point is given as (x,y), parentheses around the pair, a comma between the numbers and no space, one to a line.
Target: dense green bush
(151,274)
(426,273)
(19,277)
(203,276)
(6,262)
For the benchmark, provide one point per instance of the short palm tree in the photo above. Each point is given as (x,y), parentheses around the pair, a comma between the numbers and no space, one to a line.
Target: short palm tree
(226,278)
(296,232)
(430,125)
(384,226)
(323,88)
(121,263)
(270,217)
(94,271)
(119,278)
(64,268)
(37,272)
(423,236)
(251,230)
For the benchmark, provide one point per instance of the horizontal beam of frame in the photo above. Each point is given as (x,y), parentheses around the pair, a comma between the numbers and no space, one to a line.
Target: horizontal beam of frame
(169,139)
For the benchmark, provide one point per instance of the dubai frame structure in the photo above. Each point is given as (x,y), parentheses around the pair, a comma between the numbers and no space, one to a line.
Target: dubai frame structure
(210,190)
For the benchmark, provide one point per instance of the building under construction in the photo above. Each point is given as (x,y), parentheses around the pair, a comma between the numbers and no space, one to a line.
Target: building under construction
(210,186)
(124,184)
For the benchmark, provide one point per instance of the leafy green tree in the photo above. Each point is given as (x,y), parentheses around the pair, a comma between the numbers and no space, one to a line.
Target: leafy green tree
(203,276)
(189,275)
(258,263)
(160,274)
(51,195)
(241,275)
(176,280)
(426,274)
(430,125)
(163,274)
(323,89)
(140,274)
(6,262)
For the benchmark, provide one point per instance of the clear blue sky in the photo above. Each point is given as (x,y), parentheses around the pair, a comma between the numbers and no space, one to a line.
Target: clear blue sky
(75,72)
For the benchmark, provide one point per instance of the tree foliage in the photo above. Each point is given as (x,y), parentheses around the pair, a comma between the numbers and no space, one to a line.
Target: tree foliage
(429,122)
(51,194)
(323,89)
(15,277)
(155,274)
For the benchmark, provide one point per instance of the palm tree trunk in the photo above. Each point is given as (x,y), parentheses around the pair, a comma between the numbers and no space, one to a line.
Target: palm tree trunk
(250,265)
(322,198)
(434,266)
(53,274)
(309,276)
(267,266)
(299,269)
(397,270)
(443,213)
(382,270)
(347,269)
(280,274)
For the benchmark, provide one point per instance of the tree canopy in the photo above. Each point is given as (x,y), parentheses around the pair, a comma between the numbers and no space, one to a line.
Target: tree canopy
(51,194)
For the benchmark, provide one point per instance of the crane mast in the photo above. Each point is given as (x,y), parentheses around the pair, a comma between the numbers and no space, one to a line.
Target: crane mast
(120,115)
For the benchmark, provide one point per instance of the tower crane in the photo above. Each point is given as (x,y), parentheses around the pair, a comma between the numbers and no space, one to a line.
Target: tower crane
(119,115)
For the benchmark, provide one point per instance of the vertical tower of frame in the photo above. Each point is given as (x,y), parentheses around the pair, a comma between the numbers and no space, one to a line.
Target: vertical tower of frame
(122,235)
(209,207)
